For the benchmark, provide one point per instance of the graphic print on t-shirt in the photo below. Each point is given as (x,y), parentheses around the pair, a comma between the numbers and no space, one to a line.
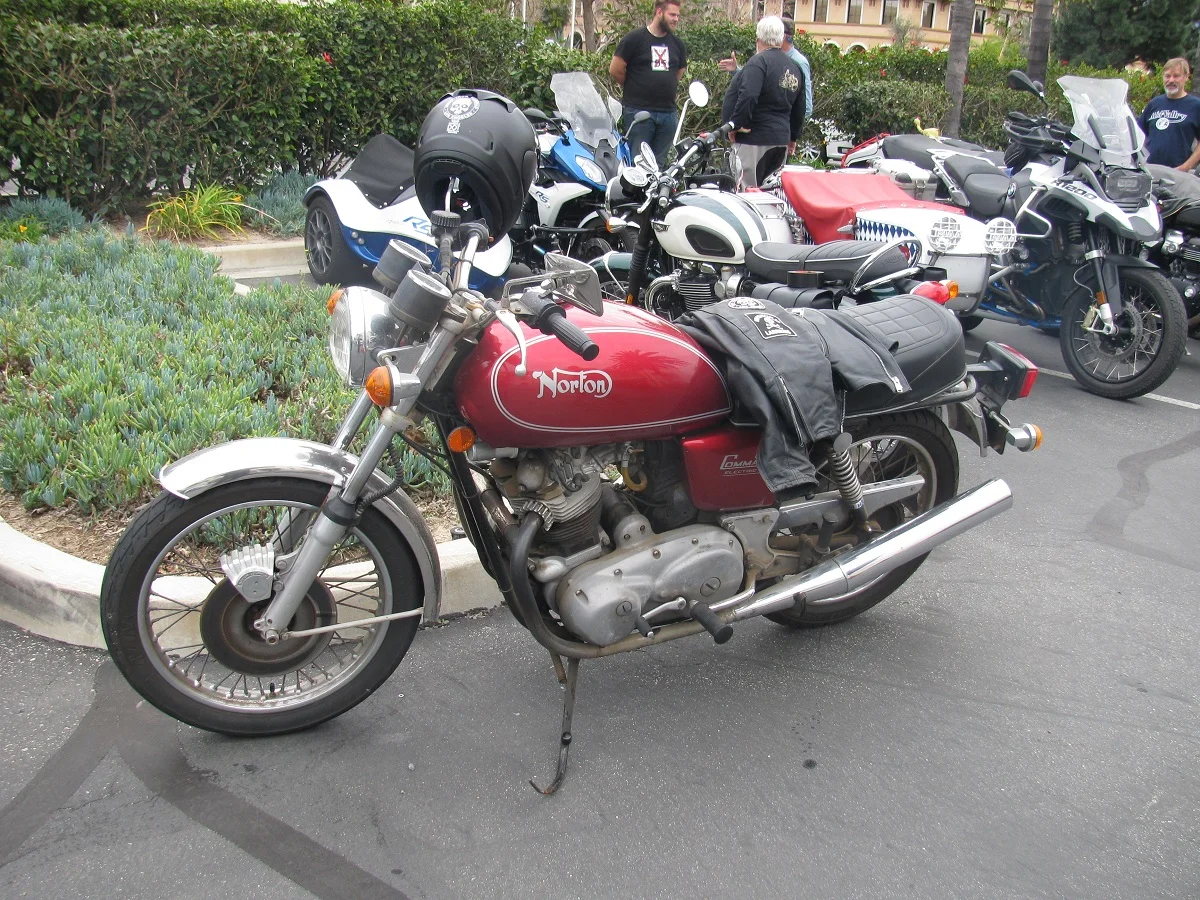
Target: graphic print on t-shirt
(1164,118)
(660,58)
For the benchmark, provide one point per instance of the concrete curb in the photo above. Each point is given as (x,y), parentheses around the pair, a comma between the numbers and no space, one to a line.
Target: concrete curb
(56,595)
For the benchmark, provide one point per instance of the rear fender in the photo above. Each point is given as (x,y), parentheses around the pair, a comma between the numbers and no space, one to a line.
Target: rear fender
(236,461)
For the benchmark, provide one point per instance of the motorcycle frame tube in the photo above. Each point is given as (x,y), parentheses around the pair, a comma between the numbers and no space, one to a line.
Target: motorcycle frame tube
(240,460)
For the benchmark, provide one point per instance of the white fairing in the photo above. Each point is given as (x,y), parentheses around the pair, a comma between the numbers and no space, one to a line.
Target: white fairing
(724,219)
(405,219)
(550,199)
(967,263)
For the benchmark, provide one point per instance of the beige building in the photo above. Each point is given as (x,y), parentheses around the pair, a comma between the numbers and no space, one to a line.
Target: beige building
(859,24)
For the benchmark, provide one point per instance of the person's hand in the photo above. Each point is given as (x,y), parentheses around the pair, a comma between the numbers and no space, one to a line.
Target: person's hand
(1182,168)
(728,65)
(791,148)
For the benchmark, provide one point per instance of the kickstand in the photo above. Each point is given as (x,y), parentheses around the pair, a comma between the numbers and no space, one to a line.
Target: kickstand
(564,742)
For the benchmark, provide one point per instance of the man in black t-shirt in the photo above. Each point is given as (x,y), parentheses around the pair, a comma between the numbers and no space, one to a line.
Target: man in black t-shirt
(1171,121)
(648,64)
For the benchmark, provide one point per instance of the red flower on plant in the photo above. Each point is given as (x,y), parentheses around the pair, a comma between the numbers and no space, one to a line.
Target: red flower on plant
(883,73)
(325,56)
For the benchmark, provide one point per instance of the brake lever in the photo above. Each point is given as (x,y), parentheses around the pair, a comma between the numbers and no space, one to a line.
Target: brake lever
(509,321)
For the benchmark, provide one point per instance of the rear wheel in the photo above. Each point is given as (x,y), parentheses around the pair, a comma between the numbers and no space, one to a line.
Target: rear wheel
(970,323)
(183,635)
(329,259)
(887,446)
(1144,351)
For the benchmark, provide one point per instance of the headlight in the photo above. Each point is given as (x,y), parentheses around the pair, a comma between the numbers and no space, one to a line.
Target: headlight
(1172,243)
(1128,186)
(1000,236)
(634,178)
(945,234)
(590,170)
(359,327)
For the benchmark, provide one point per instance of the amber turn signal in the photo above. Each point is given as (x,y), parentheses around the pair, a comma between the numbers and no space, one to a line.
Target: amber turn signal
(460,440)
(379,386)
(952,288)
(333,299)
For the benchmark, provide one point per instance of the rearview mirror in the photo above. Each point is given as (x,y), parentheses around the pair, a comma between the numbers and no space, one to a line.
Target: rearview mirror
(572,280)
(698,93)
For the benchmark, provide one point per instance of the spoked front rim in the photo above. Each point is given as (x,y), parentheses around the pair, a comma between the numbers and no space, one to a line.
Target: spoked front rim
(186,600)
(318,240)
(613,291)
(1128,353)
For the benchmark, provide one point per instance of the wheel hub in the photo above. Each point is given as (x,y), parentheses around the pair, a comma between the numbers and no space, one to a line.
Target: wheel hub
(227,629)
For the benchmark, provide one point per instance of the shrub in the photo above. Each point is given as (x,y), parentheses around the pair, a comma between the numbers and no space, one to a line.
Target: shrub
(277,208)
(51,215)
(119,355)
(20,230)
(196,213)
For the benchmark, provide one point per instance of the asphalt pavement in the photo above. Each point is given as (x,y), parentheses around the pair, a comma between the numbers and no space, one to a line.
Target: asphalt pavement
(1019,720)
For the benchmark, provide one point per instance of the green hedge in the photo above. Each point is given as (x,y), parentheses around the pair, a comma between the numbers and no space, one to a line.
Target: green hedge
(106,101)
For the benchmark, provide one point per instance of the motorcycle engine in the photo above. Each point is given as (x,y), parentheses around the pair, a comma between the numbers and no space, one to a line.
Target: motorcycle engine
(599,560)
(693,286)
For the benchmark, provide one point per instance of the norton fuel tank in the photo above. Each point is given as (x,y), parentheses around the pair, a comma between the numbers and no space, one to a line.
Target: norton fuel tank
(650,381)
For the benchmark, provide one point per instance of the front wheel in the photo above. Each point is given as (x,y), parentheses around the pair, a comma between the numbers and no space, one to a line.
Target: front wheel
(183,636)
(1142,354)
(897,445)
(330,261)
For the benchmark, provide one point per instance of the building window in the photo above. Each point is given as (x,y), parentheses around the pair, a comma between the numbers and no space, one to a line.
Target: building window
(980,20)
(890,7)
(927,14)
(854,12)
(820,10)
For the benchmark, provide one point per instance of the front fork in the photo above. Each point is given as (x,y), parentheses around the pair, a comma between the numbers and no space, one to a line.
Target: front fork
(339,512)
(1102,314)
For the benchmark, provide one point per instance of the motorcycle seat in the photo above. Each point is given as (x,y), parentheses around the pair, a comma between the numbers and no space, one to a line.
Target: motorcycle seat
(915,148)
(986,187)
(383,170)
(926,342)
(1188,217)
(836,261)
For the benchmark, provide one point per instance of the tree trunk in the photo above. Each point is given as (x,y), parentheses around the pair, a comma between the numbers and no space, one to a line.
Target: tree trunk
(962,18)
(1039,39)
(589,25)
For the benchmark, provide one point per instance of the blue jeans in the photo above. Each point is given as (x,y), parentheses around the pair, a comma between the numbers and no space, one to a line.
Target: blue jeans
(657,131)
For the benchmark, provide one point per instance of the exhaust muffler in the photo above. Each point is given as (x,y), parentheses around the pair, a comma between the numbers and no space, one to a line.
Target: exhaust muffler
(832,580)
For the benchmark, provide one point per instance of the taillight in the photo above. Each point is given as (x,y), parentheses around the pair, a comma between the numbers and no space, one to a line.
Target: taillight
(933,290)
(1030,376)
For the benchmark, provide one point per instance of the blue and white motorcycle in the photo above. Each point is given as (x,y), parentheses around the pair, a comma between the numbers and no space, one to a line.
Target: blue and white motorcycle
(580,149)
(352,218)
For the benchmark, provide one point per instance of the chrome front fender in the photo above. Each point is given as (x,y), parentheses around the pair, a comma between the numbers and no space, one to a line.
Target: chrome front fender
(292,458)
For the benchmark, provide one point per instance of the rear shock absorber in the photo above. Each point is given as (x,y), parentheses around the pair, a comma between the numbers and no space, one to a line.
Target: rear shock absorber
(841,467)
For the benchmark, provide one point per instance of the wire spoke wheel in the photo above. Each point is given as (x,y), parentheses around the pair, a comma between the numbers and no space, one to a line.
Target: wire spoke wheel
(1146,346)
(184,634)
(886,447)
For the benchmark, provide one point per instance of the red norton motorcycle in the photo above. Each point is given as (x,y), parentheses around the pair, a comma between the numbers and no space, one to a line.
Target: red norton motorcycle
(597,459)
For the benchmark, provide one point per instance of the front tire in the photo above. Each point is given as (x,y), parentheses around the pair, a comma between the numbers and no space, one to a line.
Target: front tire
(888,446)
(183,635)
(330,261)
(1152,332)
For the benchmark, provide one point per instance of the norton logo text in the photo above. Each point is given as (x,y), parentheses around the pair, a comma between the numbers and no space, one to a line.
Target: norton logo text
(588,383)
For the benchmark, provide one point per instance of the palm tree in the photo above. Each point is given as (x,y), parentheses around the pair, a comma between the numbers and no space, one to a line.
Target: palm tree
(1039,39)
(962,18)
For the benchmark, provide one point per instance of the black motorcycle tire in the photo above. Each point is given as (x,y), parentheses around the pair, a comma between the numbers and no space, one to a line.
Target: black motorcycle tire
(927,436)
(129,619)
(329,259)
(1147,295)
(969,323)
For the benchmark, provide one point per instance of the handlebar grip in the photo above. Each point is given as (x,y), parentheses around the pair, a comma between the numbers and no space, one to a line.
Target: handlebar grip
(572,336)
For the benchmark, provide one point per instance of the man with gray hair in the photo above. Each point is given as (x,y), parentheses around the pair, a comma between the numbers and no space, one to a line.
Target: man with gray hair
(767,105)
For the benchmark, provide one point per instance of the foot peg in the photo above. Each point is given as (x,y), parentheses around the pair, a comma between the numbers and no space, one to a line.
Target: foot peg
(721,631)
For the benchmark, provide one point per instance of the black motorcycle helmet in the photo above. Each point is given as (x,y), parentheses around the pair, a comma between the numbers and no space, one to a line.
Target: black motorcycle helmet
(482,139)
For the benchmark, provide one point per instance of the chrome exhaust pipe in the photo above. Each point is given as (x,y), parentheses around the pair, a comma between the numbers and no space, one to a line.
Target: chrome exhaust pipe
(831,580)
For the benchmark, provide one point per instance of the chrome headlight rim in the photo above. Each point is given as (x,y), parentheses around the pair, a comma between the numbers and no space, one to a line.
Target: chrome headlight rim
(360,325)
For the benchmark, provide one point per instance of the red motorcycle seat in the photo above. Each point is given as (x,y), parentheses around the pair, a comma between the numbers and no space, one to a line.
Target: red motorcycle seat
(827,201)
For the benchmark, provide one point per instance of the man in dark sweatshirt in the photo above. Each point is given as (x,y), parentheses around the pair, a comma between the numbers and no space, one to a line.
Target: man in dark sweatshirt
(767,100)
